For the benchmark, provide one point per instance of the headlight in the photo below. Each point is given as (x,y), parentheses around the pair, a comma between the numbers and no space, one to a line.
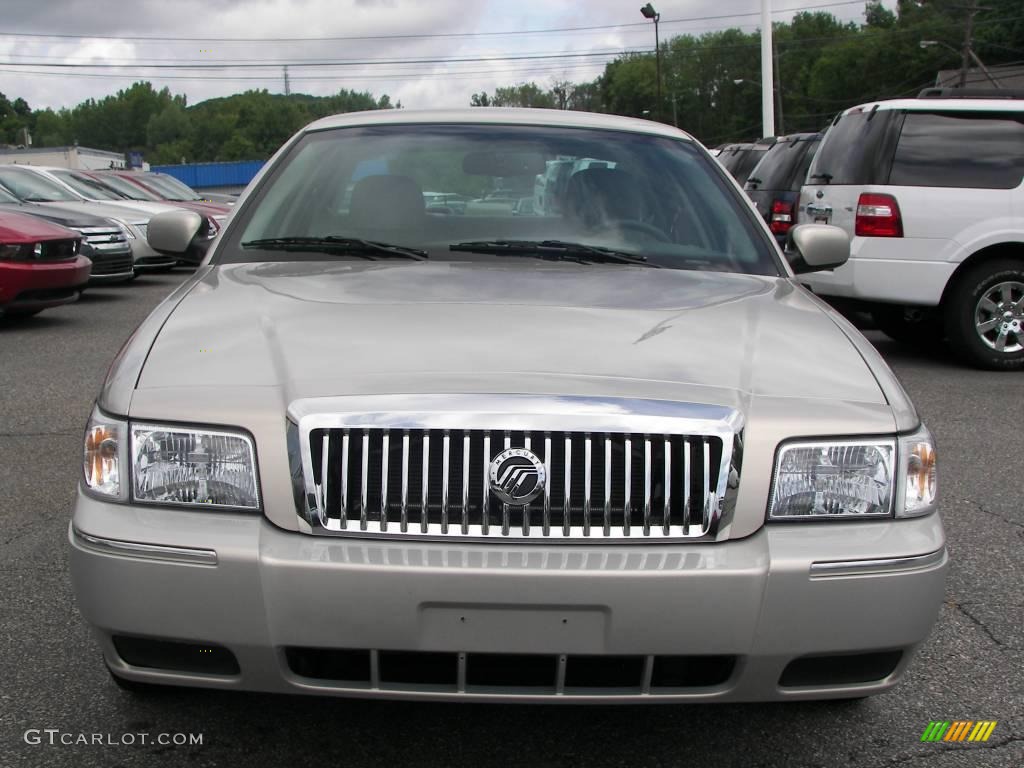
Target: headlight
(103,461)
(196,467)
(123,226)
(170,465)
(855,478)
(842,478)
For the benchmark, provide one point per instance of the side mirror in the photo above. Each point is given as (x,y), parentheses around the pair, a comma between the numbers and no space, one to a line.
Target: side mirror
(173,232)
(815,247)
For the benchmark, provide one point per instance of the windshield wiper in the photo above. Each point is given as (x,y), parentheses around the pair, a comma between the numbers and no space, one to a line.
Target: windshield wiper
(552,249)
(348,246)
(826,177)
(754,180)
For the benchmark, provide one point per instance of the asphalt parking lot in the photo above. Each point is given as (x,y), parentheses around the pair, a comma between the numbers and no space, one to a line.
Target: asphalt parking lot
(51,675)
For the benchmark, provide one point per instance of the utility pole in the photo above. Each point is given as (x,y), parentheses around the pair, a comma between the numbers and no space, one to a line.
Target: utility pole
(965,54)
(767,71)
(287,87)
(778,92)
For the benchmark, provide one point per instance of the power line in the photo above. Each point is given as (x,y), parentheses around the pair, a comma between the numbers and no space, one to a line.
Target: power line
(420,36)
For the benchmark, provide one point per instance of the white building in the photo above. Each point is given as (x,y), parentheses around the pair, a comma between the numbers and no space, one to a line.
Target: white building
(64,157)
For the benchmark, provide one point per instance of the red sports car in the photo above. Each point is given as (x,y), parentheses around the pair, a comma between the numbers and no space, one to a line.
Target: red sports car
(40,265)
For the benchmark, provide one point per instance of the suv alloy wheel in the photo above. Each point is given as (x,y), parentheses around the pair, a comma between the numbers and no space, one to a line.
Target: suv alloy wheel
(985,315)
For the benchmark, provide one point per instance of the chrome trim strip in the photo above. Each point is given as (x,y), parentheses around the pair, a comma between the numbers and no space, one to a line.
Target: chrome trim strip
(183,555)
(826,570)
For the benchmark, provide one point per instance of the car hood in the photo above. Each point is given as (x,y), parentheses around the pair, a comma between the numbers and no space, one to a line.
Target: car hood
(315,328)
(71,219)
(132,213)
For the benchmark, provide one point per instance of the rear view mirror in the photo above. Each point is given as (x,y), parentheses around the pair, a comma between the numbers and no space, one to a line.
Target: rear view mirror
(503,164)
(173,232)
(816,247)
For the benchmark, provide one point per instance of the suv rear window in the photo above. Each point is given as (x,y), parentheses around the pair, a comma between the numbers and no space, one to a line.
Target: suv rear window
(853,150)
(783,167)
(972,150)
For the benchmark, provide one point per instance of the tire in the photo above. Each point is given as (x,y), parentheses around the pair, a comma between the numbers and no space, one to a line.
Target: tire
(984,315)
(915,326)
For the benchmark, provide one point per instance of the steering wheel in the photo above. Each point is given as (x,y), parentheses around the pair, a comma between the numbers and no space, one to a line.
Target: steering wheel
(641,227)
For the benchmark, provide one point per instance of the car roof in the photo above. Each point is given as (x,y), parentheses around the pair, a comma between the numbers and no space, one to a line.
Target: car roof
(940,105)
(554,118)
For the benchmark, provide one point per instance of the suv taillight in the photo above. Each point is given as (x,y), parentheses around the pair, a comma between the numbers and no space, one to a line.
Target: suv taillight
(878,216)
(782,217)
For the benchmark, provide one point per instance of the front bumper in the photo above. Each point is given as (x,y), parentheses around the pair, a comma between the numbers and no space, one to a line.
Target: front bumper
(270,592)
(28,286)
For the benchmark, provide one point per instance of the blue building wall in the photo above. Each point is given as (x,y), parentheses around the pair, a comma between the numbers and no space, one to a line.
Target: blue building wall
(209,175)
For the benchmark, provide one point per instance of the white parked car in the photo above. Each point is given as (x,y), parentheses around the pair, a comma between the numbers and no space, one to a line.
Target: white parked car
(930,192)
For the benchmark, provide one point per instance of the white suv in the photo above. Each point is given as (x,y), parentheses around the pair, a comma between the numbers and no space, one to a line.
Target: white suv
(930,192)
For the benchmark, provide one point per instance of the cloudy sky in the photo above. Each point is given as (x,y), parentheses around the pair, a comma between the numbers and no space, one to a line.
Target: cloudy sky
(382,46)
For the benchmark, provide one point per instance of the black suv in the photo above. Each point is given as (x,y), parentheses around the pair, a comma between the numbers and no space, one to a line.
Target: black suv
(774,184)
(739,159)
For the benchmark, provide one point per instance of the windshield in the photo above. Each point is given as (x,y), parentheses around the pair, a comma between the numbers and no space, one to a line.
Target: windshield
(171,187)
(88,188)
(34,188)
(432,187)
(125,188)
(7,197)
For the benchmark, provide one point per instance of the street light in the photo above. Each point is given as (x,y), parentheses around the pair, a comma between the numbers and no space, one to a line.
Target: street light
(649,13)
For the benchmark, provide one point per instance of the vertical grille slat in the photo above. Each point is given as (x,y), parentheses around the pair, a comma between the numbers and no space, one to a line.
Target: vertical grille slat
(365,487)
(343,517)
(425,480)
(628,502)
(465,483)
(647,486)
(384,451)
(446,451)
(404,523)
(666,520)
(603,485)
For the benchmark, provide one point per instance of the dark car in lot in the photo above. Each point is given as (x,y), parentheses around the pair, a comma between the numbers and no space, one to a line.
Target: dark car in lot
(739,159)
(774,183)
(103,242)
(40,265)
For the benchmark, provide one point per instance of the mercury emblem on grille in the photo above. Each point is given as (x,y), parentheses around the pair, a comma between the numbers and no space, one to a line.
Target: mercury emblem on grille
(517,476)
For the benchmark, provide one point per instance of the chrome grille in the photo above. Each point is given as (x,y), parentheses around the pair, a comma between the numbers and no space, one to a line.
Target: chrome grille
(419,476)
